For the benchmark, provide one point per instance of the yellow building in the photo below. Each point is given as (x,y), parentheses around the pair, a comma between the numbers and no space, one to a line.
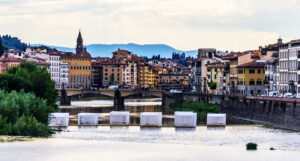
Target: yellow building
(147,76)
(215,78)
(251,77)
(80,69)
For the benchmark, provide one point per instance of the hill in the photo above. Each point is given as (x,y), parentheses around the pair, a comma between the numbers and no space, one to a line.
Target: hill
(105,50)
(13,43)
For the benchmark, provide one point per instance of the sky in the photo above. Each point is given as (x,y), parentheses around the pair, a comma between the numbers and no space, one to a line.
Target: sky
(233,25)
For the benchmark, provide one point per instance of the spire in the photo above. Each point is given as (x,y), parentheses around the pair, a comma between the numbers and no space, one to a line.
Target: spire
(79,46)
(79,36)
(279,40)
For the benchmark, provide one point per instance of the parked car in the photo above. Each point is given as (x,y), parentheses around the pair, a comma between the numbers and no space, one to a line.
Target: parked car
(113,87)
(297,95)
(288,95)
(274,94)
(175,91)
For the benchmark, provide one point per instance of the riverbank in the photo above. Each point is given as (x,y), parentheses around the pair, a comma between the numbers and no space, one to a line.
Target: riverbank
(5,139)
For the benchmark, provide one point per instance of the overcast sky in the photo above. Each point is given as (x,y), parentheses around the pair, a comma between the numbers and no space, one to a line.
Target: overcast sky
(184,24)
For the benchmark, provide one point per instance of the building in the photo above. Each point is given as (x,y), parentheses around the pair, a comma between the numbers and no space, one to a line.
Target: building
(174,81)
(234,60)
(289,67)
(64,75)
(148,77)
(96,73)
(54,68)
(198,76)
(251,78)
(272,75)
(80,66)
(80,69)
(6,63)
(216,78)
(112,73)
(11,53)
(121,70)
(38,52)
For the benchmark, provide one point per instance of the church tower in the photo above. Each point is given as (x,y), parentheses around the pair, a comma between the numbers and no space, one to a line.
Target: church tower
(79,46)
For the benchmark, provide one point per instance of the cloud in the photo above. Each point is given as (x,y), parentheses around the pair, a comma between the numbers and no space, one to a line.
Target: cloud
(189,24)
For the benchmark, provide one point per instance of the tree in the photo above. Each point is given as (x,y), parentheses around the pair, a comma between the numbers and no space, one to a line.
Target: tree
(23,114)
(30,78)
(1,47)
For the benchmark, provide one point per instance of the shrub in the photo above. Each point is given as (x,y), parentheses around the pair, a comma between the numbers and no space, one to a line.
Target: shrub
(29,126)
(272,148)
(200,108)
(23,114)
(251,146)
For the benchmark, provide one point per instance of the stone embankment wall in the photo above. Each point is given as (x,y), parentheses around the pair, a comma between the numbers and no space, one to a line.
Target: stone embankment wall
(279,112)
(283,113)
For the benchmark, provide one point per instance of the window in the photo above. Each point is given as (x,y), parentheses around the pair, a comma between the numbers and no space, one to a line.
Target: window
(216,70)
(258,71)
(258,82)
(251,82)
(241,71)
(208,69)
(251,71)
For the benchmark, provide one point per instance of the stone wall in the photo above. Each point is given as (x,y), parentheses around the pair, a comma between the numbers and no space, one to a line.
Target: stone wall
(279,113)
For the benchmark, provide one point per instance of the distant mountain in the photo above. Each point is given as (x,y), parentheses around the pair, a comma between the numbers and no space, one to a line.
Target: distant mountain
(105,50)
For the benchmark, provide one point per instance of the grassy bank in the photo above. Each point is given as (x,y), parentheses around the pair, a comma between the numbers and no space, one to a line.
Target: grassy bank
(200,108)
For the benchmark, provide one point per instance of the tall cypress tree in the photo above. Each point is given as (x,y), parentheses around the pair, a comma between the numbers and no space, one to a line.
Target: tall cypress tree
(1,47)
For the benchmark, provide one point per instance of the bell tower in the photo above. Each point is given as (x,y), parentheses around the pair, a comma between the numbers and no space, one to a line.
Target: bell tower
(79,46)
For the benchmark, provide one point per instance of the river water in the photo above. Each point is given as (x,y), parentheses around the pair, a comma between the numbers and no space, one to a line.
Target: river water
(133,143)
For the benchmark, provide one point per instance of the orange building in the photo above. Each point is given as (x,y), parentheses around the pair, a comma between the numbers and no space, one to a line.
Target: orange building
(6,63)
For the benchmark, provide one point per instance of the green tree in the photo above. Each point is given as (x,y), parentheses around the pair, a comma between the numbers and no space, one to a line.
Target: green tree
(23,114)
(30,78)
(1,47)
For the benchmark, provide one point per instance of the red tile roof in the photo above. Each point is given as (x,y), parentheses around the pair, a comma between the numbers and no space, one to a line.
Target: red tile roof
(253,64)
(215,65)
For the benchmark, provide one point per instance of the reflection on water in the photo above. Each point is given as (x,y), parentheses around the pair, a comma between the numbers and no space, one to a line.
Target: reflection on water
(142,144)
(179,129)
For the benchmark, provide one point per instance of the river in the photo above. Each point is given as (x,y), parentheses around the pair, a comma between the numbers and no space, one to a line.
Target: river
(133,143)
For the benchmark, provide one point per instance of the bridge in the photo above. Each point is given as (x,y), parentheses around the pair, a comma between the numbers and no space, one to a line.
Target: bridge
(111,92)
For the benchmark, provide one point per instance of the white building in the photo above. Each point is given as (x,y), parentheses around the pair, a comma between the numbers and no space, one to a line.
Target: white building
(39,52)
(130,74)
(289,67)
(64,75)
(54,68)
(59,71)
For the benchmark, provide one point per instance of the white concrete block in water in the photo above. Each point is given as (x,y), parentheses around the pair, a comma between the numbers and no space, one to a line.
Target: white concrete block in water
(58,119)
(119,118)
(88,119)
(216,119)
(151,119)
(185,119)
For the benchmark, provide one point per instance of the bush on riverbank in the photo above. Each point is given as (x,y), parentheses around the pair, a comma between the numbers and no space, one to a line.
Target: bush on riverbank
(30,78)
(251,146)
(23,114)
(200,108)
